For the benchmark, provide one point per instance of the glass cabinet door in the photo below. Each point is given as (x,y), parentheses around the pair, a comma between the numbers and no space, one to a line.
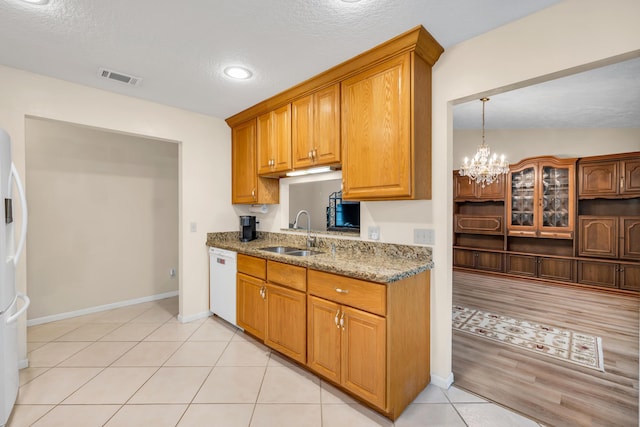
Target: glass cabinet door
(523,198)
(555,197)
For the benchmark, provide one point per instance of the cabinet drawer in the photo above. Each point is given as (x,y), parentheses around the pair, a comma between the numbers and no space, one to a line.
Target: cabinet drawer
(252,266)
(492,224)
(291,276)
(368,296)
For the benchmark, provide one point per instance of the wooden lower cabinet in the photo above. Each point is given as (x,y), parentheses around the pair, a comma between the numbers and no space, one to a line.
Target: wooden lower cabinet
(609,274)
(481,260)
(324,337)
(348,346)
(369,339)
(285,322)
(251,307)
(559,269)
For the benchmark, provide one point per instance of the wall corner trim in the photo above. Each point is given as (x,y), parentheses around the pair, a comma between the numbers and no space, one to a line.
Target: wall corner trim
(442,382)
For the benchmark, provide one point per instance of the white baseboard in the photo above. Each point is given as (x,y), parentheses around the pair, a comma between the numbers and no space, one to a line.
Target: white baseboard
(191,318)
(90,310)
(442,382)
(23,363)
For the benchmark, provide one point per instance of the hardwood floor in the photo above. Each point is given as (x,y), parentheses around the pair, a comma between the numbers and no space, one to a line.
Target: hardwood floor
(553,392)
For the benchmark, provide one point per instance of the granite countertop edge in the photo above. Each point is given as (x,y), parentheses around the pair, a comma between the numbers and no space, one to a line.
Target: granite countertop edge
(372,261)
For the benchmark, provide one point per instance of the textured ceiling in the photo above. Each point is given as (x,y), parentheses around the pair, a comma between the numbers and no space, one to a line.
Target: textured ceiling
(606,97)
(181,48)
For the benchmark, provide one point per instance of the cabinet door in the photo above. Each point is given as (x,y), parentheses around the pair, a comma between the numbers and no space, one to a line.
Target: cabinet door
(493,191)
(630,277)
(522,265)
(265,143)
(302,134)
(598,236)
(463,188)
(523,195)
(364,355)
(326,141)
(244,179)
(464,258)
(376,132)
(598,273)
(559,269)
(598,179)
(630,237)
(251,307)
(630,172)
(274,141)
(324,336)
(286,322)
(490,261)
(282,138)
(556,201)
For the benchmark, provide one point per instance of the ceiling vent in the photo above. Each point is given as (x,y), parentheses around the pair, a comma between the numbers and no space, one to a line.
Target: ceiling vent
(120,77)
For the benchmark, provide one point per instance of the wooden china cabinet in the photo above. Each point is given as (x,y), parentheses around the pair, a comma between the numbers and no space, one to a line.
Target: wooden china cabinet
(562,220)
(541,194)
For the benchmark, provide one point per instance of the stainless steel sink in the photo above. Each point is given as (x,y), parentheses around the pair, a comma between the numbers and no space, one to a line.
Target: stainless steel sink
(287,250)
(279,249)
(303,253)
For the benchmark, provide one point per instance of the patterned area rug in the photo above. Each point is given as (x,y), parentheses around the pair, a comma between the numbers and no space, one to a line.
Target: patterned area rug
(575,347)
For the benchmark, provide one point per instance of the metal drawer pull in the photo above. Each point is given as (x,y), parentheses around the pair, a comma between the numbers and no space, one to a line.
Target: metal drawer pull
(342,291)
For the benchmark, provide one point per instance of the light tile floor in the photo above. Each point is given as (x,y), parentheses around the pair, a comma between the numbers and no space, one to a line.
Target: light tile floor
(138,366)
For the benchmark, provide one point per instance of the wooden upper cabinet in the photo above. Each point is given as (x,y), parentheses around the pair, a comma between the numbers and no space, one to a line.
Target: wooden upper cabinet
(609,177)
(541,198)
(315,128)
(386,131)
(274,142)
(466,190)
(246,186)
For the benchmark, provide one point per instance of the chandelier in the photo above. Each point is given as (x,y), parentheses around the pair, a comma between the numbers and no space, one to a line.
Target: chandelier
(484,168)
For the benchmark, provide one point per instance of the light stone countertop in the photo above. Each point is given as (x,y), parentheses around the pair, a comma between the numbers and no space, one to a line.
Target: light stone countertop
(373,261)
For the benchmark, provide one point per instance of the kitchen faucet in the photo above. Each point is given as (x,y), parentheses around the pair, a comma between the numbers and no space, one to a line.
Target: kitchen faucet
(311,241)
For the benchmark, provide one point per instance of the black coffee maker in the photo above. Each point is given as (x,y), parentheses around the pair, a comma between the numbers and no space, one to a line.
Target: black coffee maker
(247,228)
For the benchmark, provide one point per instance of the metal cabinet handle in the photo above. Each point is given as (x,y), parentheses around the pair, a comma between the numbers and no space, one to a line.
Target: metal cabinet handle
(336,319)
(342,291)
(342,320)
(263,292)
(253,193)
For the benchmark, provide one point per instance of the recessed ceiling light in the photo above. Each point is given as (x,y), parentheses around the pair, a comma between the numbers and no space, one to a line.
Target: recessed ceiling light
(236,72)
(39,2)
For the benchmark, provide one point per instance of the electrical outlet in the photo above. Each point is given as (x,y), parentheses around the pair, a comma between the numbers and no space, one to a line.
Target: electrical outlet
(374,232)
(172,272)
(423,236)
(194,227)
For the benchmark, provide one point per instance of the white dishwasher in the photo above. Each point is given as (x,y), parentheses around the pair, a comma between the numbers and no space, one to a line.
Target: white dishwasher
(222,283)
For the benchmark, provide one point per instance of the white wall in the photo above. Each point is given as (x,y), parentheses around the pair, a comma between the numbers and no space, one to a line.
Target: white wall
(518,144)
(103,217)
(205,162)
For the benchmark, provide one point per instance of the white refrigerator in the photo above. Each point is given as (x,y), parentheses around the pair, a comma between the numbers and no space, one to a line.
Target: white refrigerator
(9,297)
